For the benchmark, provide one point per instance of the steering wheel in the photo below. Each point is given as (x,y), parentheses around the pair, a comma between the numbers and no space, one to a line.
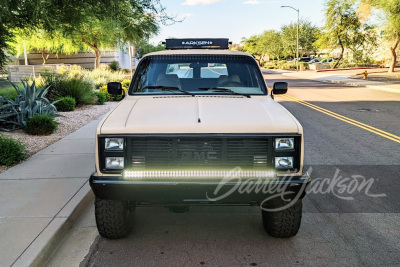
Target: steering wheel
(233,84)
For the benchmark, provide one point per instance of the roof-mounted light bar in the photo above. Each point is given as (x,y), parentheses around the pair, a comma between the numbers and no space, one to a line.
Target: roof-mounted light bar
(197,43)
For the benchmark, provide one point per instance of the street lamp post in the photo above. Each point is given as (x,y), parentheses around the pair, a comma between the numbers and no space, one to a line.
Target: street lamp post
(298,21)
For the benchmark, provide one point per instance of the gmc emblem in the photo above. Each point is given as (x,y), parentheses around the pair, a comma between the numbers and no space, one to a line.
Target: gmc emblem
(194,155)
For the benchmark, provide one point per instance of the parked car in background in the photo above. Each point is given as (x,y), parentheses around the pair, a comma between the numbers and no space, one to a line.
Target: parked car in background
(305,59)
(328,60)
(314,60)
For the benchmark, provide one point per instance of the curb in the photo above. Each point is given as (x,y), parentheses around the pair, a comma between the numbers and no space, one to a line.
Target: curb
(40,250)
(354,84)
(369,86)
(365,68)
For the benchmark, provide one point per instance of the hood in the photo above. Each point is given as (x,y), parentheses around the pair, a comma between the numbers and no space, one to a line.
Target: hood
(200,114)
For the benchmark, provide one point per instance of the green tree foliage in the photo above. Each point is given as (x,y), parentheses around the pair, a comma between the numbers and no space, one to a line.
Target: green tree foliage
(44,42)
(276,44)
(308,34)
(366,45)
(142,47)
(342,27)
(236,47)
(99,24)
(391,21)
(102,33)
(252,46)
(271,44)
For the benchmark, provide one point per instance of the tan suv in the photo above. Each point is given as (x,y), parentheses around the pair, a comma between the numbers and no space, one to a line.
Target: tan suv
(198,127)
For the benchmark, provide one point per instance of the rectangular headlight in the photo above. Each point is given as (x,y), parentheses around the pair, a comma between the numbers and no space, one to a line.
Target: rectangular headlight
(283,162)
(114,143)
(284,144)
(115,163)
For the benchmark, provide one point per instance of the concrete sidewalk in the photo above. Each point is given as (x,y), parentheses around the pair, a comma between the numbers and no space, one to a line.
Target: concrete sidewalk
(40,198)
(339,77)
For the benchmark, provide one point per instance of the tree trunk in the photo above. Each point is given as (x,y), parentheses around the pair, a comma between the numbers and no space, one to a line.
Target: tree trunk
(96,51)
(44,57)
(98,57)
(340,58)
(394,55)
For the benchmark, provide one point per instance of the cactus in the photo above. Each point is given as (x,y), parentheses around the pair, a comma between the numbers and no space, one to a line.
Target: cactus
(28,102)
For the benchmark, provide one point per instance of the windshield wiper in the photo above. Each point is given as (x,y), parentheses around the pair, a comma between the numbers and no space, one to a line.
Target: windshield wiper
(167,88)
(222,90)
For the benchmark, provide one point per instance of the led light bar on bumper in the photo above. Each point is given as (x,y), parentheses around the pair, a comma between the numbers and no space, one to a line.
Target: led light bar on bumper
(198,174)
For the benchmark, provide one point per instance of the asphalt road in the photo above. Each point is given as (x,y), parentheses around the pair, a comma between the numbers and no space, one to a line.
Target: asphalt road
(340,227)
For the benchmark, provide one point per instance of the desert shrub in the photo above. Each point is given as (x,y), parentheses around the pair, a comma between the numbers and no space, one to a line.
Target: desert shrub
(289,66)
(11,151)
(102,76)
(64,69)
(110,97)
(303,65)
(126,83)
(73,84)
(280,64)
(104,91)
(76,68)
(270,65)
(66,103)
(114,65)
(43,124)
(61,82)
(48,79)
(355,65)
(77,88)
(101,97)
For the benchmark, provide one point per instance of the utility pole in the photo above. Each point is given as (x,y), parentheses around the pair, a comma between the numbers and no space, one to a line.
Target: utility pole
(298,23)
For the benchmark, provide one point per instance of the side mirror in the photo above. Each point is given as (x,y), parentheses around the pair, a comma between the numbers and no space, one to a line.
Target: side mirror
(114,88)
(280,88)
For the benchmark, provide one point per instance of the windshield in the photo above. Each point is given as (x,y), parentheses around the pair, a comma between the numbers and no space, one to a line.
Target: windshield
(198,74)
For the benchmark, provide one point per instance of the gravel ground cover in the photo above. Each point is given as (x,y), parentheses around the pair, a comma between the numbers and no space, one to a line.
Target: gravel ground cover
(69,122)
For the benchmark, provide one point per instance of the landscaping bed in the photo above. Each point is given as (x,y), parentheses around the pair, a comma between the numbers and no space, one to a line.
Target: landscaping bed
(69,122)
(385,77)
(40,111)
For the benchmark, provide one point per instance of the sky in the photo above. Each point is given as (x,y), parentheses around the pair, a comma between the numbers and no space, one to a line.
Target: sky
(234,19)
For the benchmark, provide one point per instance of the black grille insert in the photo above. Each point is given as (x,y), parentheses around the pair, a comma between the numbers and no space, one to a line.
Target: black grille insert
(198,153)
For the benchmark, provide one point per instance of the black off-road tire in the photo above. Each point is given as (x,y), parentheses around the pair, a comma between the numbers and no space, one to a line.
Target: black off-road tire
(113,218)
(284,223)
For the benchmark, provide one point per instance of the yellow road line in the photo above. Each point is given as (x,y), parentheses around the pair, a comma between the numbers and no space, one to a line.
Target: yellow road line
(361,125)
(343,117)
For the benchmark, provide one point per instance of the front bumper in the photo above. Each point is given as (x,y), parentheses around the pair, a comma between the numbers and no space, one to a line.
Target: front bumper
(189,192)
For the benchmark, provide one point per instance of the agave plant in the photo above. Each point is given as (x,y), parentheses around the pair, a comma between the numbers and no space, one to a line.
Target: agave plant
(28,102)
(8,115)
